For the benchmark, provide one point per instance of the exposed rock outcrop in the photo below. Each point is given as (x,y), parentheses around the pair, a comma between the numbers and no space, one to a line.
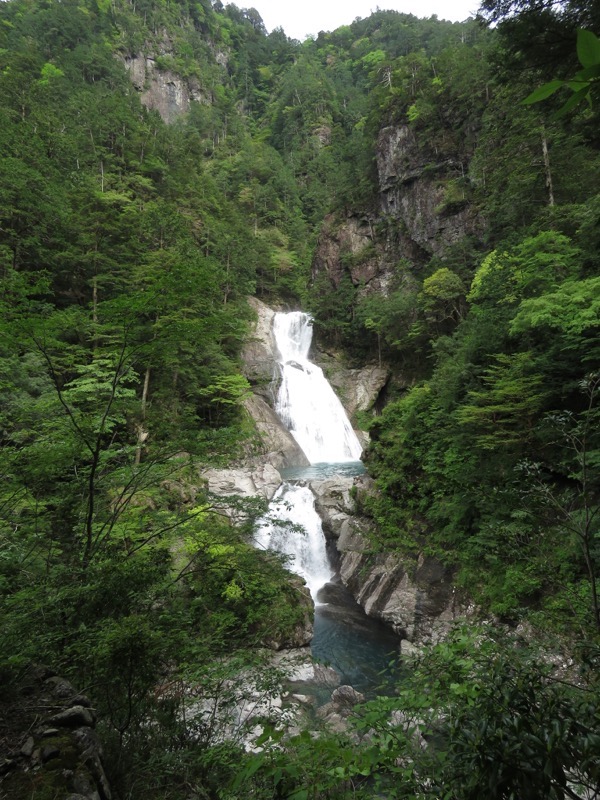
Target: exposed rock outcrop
(259,355)
(423,210)
(275,443)
(416,598)
(301,634)
(357,388)
(56,752)
(262,481)
(160,89)
(415,190)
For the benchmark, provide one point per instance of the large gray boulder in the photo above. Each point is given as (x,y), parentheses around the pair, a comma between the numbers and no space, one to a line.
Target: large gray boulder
(261,481)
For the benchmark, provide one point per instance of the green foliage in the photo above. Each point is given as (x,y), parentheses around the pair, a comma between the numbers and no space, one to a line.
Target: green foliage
(127,251)
(582,83)
(473,713)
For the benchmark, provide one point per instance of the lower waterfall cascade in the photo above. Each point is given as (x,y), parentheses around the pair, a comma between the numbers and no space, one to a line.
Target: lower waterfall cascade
(315,417)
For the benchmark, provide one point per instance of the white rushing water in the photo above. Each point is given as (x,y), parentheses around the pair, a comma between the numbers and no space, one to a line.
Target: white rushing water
(311,411)
(295,505)
(306,403)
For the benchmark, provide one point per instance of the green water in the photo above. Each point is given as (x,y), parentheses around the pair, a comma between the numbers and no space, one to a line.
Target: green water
(320,472)
(362,650)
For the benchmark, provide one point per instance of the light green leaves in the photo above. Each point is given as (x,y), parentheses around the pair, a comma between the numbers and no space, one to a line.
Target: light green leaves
(588,49)
(588,52)
(543,92)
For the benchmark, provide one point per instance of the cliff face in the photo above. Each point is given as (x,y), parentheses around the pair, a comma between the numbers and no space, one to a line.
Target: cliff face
(425,197)
(162,89)
(415,597)
(423,209)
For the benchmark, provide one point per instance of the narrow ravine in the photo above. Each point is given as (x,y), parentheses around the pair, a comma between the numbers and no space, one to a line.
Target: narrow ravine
(357,647)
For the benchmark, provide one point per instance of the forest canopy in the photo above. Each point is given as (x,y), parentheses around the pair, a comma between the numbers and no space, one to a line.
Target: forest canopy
(131,238)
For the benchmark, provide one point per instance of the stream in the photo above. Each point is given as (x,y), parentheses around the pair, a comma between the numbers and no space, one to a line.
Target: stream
(357,647)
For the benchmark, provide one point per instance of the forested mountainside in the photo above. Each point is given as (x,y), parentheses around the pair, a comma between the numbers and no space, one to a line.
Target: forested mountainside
(162,161)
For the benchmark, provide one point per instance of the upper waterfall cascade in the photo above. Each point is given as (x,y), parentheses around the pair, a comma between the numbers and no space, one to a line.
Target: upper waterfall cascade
(306,403)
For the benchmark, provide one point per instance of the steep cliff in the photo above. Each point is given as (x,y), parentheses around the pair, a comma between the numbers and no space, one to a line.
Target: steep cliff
(422,210)
(163,84)
(416,597)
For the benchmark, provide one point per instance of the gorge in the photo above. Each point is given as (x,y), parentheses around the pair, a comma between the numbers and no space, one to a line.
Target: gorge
(173,179)
(315,417)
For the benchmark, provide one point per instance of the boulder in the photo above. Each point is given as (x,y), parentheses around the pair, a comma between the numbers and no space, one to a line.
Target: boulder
(74,717)
(263,481)
(341,706)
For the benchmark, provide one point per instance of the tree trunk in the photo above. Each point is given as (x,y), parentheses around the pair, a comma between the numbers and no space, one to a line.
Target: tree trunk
(547,171)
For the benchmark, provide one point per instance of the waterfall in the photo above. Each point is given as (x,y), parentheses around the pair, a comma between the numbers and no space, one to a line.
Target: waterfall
(311,411)
(306,403)
(294,505)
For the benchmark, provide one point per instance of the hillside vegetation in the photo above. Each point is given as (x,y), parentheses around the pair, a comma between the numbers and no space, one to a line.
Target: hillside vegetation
(128,248)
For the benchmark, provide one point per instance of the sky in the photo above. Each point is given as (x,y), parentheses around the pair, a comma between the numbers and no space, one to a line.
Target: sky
(300,18)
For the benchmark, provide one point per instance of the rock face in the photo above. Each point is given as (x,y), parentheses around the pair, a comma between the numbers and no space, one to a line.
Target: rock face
(162,90)
(262,481)
(259,355)
(60,755)
(416,190)
(358,389)
(275,443)
(423,210)
(417,599)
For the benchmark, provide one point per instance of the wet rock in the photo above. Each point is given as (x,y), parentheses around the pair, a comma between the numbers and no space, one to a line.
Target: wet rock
(333,503)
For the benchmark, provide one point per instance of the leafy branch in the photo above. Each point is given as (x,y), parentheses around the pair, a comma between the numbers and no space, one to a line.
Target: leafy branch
(582,83)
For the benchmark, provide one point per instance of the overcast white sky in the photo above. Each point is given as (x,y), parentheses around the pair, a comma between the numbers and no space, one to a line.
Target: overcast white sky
(299,18)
